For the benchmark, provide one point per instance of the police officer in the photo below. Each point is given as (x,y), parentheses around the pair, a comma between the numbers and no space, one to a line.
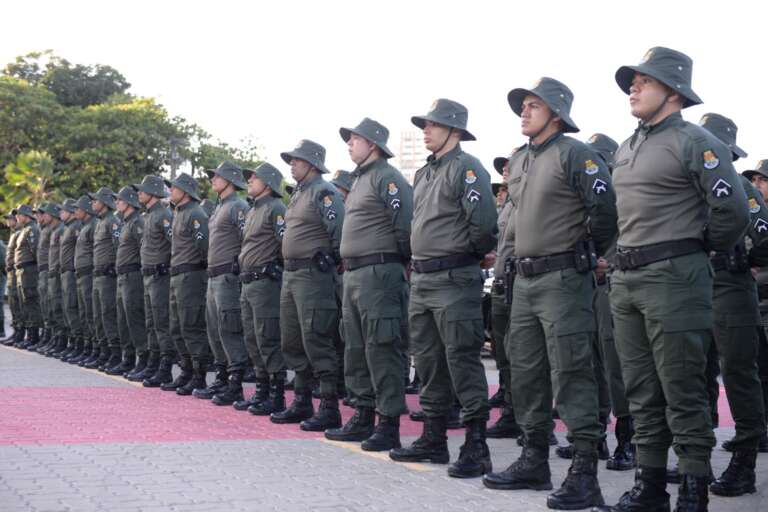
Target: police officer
(225,328)
(3,282)
(189,259)
(454,227)
(25,263)
(308,307)
(261,269)
(736,320)
(559,184)
(43,250)
(59,340)
(155,255)
(71,229)
(208,206)
(678,195)
(106,237)
(13,295)
(375,245)
(343,180)
(84,274)
(130,285)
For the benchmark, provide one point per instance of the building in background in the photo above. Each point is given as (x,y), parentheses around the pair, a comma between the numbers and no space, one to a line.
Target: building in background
(411,155)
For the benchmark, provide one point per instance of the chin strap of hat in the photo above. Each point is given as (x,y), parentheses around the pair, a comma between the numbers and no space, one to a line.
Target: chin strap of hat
(447,137)
(546,125)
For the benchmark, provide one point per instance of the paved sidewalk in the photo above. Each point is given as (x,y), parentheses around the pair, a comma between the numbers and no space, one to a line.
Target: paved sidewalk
(77,440)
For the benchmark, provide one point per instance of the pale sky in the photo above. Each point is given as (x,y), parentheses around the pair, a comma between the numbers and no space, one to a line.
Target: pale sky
(285,71)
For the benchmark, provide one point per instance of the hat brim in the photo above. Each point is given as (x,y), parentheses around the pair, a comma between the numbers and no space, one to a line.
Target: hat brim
(421,122)
(193,195)
(139,187)
(496,186)
(515,98)
(499,162)
(625,75)
(211,174)
(287,156)
(346,133)
(737,152)
(751,174)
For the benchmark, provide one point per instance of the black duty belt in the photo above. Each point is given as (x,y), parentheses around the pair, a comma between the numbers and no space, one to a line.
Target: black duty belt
(187,267)
(630,259)
(126,269)
(64,270)
(19,266)
(297,264)
(42,268)
(153,270)
(109,270)
(220,270)
(54,273)
(84,271)
(529,267)
(373,259)
(498,287)
(444,263)
(249,277)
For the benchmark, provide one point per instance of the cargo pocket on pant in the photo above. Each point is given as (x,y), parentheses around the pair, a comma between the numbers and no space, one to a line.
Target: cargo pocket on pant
(573,346)
(323,317)
(383,326)
(269,323)
(231,321)
(465,327)
(685,341)
(742,320)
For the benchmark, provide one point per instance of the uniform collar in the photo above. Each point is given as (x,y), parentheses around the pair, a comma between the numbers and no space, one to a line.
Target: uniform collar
(186,206)
(158,205)
(670,120)
(231,197)
(133,214)
(544,145)
(261,201)
(437,162)
(308,183)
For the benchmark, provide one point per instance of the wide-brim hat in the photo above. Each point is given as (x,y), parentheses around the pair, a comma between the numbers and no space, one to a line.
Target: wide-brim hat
(106,196)
(555,94)
(670,67)
(289,189)
(230,172)
(725,130)
(499,162)
(41,208)
(604,146)
(447,113)
(69,205)
(84,203)
(309,151)
(25,209)
(129,195)
(51,209)
(496,186)
(343,180)
(372,131)
(761,169)
(267,173)
(186,183)
(152,185)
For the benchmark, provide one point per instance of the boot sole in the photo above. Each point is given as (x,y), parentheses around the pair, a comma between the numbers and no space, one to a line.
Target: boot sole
(289,421)
(430,460)
(517,486)
(486,468)
(368,448)
(358,438)
(732,494)
(597,502)
(618,467)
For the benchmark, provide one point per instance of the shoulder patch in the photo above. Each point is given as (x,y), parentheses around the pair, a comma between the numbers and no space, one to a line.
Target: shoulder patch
(710,160)
(167,223)
(327,201)
(470,177)
(591,167)
(196,224)
(599,187)
(754,206)
(392,189)
(279,220)
(473,196)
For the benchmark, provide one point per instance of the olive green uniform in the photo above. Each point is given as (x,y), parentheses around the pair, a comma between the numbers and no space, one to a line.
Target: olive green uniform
(25,263)
(130,284)
(84,274)
(454,219)
(43,251)
(259,259)
(663,309)
(55,307)
(13,292)
(375,243)
(308,306)
(223,316)
(105,240)
(189,256)
(499,307)
(156,266)
(70,231)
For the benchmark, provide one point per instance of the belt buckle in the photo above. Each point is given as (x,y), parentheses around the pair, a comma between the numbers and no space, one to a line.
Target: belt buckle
(525,266)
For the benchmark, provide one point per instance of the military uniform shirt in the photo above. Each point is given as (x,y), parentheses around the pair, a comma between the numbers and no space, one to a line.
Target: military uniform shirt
(54,253)
(562,194)
(26,244)
(226,227)
(157,235)
(378,213)
(313,220)
(675,180)
(84,245)
(454,208)
(129,241)
(505,249)
(264,228)
(189,242)
(9,259)
(68,241)
(44,246)
(105,239)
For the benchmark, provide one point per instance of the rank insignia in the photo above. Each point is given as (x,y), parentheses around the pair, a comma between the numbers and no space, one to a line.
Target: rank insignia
(761,226)
(721,188)
(395,203)
(591,167)
(473,196)
(392,189)
(710,160)
(331,215)
(470,177)
(599,186)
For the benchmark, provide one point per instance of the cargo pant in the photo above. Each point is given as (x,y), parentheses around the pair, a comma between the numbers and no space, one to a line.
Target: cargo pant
(260,306)
(14,304)
(225,324)
(608,355)
(69,304)
(55,308)
(374,306)
(85,306)
(308,317)
(157,297)
(663,325)
(105,311)
(29,299)
(187,315)
(447,332)
(550,346)
(499,323)
(737,319)
(130,311)
(42,294)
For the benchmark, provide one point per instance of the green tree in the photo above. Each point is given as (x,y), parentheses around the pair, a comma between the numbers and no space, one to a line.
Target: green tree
(28,180)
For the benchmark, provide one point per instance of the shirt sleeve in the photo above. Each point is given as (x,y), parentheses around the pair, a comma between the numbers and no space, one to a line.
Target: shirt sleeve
(199,224)
(758,225)
(473,190)
(237,214)
(397,196)
(591,180)
(330,207)
(277,220)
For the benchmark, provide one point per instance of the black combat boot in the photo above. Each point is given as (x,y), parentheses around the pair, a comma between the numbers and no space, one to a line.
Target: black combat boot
(184,376)
(141,363)
(739,477)
(474,457)
(233,392)
(114,359)
(153,362)
(40,341)
(431,446)
(275,401)
(102,354)
(260,393)
(199,370)
(386,435)
(580,488)
(62,346)
(358,428)
(250,374)
(33,338)
(85,354)
(163,374)
(218,385)
(326,417)
(693,494)
(530,471)
(506,426)
(497,400)
(762,444)
(649,493)
(623,458)
(74,351)
(301,409)
(126,363)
